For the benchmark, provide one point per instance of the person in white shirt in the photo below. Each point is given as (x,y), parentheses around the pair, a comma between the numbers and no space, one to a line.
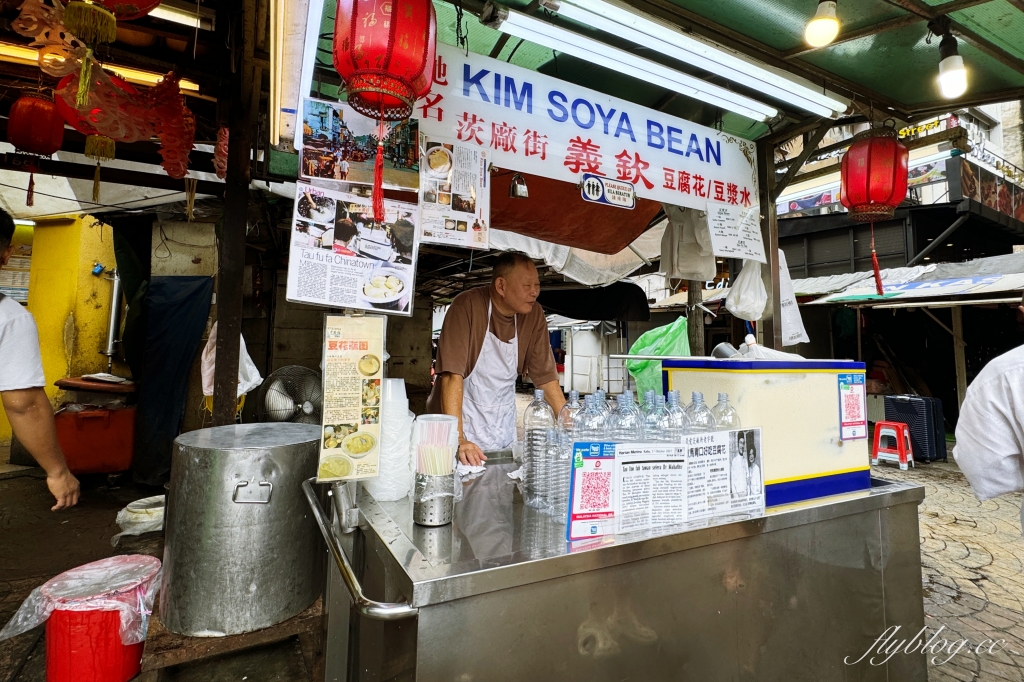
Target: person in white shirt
(739,471)
(990,432)
(21,387)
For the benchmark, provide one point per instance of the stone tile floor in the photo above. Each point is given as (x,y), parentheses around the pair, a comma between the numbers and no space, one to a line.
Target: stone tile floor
(972,554)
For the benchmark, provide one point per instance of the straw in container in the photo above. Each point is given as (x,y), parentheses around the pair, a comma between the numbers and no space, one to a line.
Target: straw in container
(435,441)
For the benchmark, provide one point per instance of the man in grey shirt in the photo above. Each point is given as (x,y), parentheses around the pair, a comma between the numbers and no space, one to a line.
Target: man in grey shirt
(21,386)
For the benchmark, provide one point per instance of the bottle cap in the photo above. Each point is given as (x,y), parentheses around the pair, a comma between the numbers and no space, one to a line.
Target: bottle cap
(659,400)
(723,397)
(574,395)
(538,394)
(698,397)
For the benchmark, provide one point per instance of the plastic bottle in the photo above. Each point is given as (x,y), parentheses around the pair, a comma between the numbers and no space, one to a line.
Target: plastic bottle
(656,423)
(538,420)
(626,424)
(726,416)
(701,419)
(557,496)
(591,423)
(601,401)
(648,405)
(678,421)
(567,417)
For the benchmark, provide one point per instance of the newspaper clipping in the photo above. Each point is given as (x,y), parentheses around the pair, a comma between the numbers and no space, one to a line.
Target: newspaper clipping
(353,371)
(455,198)
(340,258)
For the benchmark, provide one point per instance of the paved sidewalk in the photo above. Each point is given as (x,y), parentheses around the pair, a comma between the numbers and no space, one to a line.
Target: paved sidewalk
(972,554)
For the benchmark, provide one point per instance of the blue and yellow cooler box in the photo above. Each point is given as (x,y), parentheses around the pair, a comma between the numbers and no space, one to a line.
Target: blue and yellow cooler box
(796,404)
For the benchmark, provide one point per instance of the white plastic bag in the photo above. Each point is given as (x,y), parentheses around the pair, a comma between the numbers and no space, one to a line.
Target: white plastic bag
(126,584)
(793,331)
(141,516)
(395,471)
(248,376)
(752,350)
(748,297)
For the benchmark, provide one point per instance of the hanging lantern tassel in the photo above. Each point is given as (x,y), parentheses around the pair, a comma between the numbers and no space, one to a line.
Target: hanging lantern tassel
(383,130)
(874,263)
(30,195)
(84,80)
(100,148)
(190,198)
(90,22)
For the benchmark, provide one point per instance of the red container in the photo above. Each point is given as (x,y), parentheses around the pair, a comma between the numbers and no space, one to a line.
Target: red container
(85,646)
(97,440)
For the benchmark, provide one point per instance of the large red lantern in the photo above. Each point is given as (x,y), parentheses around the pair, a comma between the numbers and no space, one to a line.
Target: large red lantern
(874,181)
(384,51)
(35,125)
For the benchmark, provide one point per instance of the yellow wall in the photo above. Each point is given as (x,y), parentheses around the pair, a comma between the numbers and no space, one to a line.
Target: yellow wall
(69,303)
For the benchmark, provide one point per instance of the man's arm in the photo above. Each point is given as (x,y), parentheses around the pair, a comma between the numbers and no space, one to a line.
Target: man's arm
(31,417)
(553,394)
(451,403)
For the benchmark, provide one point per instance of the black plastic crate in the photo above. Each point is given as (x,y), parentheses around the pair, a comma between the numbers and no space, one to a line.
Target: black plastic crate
(924,417)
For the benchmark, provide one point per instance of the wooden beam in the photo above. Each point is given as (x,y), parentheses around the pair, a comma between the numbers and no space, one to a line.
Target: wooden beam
(118,176)
(847,36)
(959,356)
(796,164)
(771,321)
(926,11)
(988,47)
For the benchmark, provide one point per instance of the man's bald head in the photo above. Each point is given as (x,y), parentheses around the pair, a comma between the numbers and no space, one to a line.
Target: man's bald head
(515,283)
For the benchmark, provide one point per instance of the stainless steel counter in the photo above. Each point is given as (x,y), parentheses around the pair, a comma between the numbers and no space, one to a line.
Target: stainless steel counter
(501,596)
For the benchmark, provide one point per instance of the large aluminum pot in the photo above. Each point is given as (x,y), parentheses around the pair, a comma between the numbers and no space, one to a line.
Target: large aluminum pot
(242,550)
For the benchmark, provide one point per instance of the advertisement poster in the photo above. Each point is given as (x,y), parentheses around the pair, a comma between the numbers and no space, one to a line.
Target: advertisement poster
(650,485)
(353,370)
(591,505)
(455,195)
(853,411)
(338,144)
(339,258)
(534,123)
(735,232)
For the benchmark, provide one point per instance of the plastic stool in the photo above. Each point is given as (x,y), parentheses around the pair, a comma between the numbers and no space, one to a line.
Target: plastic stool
(903,453)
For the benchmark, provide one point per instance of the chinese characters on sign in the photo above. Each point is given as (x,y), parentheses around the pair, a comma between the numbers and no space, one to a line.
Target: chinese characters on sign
(735,231)
(536,124)
(853,412)
(600,190)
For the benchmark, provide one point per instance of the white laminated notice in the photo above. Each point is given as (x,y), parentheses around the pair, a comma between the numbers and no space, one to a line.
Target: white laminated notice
(735,231)
(650,485)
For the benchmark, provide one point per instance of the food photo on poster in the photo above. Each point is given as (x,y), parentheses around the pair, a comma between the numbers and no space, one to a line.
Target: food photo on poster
(338,146)
(340,257)
(455,194)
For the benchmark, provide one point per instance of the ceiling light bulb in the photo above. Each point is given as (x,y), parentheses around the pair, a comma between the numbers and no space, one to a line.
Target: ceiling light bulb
(952,74)
(823,28)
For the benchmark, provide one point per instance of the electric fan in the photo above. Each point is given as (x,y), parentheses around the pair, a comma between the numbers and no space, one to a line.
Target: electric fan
(291,394)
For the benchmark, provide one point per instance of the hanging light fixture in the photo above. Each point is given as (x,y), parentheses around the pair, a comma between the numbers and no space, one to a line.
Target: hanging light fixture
(952,74)
(823,27)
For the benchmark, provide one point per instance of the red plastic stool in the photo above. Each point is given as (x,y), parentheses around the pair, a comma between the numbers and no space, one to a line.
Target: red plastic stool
(903,453)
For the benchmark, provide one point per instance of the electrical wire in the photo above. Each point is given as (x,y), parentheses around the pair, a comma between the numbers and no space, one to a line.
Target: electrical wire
(82,202)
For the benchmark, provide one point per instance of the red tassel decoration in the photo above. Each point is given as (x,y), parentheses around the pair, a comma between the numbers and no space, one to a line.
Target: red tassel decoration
(378,185)
(874,264)
(30,195)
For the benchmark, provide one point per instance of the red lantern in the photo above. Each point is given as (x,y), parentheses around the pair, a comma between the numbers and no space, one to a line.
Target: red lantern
(874,181)
(384,51)
(35,125)
(95,21)
(874,175)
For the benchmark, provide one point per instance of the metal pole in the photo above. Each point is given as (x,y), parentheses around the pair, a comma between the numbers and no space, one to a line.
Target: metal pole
(860,354)
(114,320)
(959,355)
(770,325)
(939,240)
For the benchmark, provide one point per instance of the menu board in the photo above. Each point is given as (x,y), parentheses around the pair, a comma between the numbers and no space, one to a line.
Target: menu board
(626,487)
(340,258)
(339,145)
(735,231)
(352,376)
(455,195)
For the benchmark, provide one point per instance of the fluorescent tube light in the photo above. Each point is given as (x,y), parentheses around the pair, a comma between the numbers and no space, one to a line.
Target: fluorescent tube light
(556,38)
(620,20)
(276,59)
(187,15)
(24,223)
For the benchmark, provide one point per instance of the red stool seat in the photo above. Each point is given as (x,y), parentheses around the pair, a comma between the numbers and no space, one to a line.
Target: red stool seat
(903,453)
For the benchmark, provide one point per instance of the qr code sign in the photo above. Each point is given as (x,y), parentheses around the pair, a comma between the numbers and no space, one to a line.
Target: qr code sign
(595,491)
(851,407)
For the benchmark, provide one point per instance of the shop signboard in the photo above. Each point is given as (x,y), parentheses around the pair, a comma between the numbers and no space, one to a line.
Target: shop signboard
(627,487)
(339,146)
(455,194)
(353,357)
(534,123)
(339,258)
(999,189)
(600,190)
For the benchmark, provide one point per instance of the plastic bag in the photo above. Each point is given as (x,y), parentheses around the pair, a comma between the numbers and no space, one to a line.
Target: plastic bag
(248,376)
(752,350)
(670,340)
(127,584)
(141,516)
(748,297)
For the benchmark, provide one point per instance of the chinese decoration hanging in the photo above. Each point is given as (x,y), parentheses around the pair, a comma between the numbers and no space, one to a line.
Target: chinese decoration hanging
(874,181)
(384,52)
(35,126)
